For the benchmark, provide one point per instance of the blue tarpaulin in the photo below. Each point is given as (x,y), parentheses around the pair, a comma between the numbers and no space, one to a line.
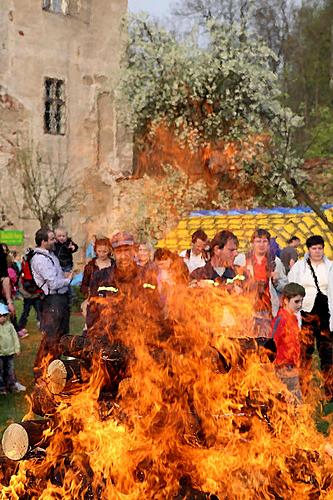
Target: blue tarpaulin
(257,211)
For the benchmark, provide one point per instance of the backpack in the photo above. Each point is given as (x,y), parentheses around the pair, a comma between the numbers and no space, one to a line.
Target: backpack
(27,280)
(205,255)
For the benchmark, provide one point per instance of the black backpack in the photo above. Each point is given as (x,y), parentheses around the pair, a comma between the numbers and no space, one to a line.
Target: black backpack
(205,255)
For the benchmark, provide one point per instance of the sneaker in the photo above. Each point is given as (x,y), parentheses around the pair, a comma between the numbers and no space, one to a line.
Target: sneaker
(23,333)
(19,387)
(3,392)
(13,389)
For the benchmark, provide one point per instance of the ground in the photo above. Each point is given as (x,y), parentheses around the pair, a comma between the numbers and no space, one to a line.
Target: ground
(14,406)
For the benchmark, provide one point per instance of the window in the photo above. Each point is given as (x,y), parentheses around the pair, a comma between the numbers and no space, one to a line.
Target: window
(58,6)
(77,8)
(54,114)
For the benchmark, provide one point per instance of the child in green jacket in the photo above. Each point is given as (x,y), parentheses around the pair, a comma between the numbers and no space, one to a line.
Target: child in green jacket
(9,346)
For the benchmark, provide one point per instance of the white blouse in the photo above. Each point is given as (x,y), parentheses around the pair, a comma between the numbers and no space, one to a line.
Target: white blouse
(309,284)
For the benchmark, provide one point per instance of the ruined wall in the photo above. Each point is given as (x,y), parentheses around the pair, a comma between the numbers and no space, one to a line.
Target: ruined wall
(83,49)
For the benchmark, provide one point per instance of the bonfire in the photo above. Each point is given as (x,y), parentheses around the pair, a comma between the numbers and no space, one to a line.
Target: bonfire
(154,406)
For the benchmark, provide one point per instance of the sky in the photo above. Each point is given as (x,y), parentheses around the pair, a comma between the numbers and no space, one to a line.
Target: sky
(154,7)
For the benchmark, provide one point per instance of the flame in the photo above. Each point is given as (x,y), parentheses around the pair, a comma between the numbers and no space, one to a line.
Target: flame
(194,413)
(219,164)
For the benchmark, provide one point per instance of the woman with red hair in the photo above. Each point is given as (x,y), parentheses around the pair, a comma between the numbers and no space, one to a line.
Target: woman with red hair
(99,272)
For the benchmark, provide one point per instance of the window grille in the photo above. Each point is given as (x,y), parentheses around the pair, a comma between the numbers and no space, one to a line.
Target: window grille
(57,6)
(54,112)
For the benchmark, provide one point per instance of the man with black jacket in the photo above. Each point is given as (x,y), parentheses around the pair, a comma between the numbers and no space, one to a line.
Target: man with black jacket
(220,268)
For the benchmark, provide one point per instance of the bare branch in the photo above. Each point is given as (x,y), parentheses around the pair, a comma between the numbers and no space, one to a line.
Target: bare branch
(48,192)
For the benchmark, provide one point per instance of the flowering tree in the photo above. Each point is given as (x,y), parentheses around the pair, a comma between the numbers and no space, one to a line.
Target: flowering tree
(214,92)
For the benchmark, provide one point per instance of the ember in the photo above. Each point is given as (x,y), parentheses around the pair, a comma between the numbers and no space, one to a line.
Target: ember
(154,408)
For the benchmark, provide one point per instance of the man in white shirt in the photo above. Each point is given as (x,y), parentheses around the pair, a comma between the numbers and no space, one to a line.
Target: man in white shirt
(55,309)
(197,256)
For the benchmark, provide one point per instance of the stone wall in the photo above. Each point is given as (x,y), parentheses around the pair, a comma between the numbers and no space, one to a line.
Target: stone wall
(83,49)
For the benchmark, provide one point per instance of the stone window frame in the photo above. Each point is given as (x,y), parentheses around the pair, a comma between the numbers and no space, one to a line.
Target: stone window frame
(54,106)
(56,6)
(76,9)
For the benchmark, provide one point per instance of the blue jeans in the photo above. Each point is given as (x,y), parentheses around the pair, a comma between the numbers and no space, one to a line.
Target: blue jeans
(54,324)
(7,373)
(27,305)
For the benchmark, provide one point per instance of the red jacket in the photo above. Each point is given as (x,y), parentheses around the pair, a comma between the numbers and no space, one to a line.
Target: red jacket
(286,332)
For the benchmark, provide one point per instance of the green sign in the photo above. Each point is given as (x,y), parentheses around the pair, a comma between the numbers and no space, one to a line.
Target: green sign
(12,237)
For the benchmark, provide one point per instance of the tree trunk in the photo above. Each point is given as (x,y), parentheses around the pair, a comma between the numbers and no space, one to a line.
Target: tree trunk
(43,403)
(331,72)
(86,348)
(7,469)
(20,439)
(303,197)
(61,375)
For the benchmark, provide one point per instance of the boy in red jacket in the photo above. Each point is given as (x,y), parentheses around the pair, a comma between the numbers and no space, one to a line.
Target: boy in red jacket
(286,333)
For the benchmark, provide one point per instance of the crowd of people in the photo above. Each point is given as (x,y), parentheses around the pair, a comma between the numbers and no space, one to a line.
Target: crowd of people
(18,281)
(291,297)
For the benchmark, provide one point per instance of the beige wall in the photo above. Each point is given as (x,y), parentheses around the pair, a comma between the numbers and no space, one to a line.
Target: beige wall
(84,51)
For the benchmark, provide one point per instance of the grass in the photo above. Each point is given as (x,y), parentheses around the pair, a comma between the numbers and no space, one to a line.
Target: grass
(14,406)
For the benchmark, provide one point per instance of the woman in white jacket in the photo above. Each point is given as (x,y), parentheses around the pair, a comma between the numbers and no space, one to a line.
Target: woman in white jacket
(315,273)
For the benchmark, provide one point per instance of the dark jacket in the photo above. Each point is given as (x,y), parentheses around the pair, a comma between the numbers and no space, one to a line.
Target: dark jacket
(3,273)
(65,254)
(3,264)
(207,272)
(94,277)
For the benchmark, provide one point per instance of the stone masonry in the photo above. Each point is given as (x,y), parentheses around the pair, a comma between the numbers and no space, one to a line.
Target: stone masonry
(77,46)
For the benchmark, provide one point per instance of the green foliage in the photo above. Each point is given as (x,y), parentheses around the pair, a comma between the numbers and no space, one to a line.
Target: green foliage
(321,134)
(308,64)
(309,55)
(222,91)
(204,93)
(77,299)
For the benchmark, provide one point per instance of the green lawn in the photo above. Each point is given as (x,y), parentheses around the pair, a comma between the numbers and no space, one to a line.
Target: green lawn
(14,406)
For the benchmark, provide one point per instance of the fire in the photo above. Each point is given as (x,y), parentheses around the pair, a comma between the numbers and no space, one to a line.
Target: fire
(219,164)
(193,415)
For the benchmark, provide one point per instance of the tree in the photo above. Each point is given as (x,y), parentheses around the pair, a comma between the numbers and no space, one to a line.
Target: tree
(269,19)
(223,95)
(301,36)
(227,11)
(306,72)
(45,189)
(308,60)
(331,67)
